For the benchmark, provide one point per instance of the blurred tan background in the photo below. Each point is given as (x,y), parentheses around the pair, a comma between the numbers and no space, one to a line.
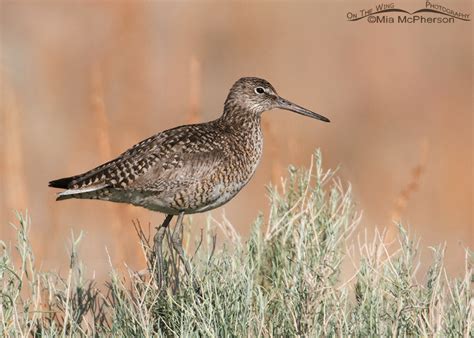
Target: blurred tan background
(83,81)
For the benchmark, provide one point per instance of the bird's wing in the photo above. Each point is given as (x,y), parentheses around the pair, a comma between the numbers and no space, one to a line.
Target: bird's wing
(104,175)
(153,159)
(185,169)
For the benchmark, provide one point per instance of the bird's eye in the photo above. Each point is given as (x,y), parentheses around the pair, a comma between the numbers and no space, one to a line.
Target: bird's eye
(259,90)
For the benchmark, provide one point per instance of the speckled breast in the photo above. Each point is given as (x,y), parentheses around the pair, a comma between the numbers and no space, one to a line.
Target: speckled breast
(227,179)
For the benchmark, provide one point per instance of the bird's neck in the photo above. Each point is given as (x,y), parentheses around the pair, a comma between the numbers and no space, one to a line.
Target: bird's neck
(246,138)
(238,119)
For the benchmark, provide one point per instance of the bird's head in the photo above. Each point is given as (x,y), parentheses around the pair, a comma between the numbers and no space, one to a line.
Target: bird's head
(256,95)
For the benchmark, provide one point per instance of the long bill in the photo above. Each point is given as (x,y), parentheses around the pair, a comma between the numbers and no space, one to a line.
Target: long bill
(287,105)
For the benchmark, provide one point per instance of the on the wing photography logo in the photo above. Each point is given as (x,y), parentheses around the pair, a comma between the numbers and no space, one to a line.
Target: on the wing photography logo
(432,13)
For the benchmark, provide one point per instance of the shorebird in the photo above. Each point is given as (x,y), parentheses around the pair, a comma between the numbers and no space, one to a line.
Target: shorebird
(187,169)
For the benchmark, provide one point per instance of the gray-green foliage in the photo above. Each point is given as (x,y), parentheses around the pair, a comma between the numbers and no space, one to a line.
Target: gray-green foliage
(285,280)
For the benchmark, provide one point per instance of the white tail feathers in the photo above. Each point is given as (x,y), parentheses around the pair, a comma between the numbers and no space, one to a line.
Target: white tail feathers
(82,190)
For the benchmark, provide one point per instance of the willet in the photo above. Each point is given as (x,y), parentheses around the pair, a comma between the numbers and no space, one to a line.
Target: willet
(187,169)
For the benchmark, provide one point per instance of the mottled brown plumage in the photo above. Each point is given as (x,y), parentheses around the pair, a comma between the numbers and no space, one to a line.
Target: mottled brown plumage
(192,168)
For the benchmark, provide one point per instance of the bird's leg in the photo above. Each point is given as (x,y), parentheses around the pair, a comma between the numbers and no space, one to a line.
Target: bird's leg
(177,240)
(157,248)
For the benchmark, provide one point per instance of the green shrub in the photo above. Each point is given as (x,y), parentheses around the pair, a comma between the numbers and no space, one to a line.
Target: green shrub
(285,280)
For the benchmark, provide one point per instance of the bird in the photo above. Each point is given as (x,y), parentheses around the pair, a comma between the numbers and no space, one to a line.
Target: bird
(188,169)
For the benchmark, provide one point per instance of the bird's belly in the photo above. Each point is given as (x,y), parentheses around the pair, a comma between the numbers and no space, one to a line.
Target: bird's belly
(220,195)
(203,196)
(188,201)
(147,200)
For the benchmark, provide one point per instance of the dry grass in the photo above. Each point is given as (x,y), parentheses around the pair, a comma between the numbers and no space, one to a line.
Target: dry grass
(285,280)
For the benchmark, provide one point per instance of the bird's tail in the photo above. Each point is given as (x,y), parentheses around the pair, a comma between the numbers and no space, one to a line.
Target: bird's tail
(61,183)
(74,192)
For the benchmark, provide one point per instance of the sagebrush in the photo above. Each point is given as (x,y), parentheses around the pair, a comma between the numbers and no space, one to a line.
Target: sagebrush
(285,280)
